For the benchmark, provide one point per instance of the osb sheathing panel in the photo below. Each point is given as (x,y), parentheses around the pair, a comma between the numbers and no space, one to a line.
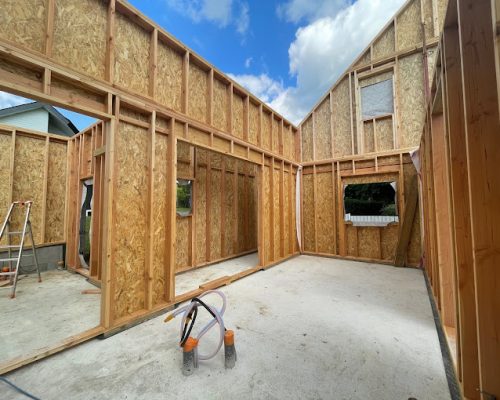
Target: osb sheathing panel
(253,132)
(386,44)
(129,222)
(201,214)
(388,241)
(159,217)
(183,237)
(277,211)
(184,165)
(368,242)
(409,31)
(198,93)
(242,228)
(229,194)
(266,130)
(5,147)
(385,134)
(220,105)
(56,193)
(342,119)
(286,208)
(23,22)
(364,59)
(324,213)
(215,209)
(132,46)
(169,77)
(308,212)
(369,139)
(411,100)
(353,118)
(351,233)
(287,142)
(238,117)
(307,140)
(442,7)
(29,162)
(80,29)
(276,135)
(322,126)
(267,214)
(253,212)
(86,165)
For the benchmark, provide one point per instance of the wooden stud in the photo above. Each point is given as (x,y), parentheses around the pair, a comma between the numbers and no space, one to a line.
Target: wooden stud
(153,63)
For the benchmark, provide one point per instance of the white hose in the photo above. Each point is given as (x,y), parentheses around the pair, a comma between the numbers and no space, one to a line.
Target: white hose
(186,310)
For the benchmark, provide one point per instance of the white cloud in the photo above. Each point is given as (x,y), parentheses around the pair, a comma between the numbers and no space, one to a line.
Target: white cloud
(10,100)
(325,47)
(248,62)
(220,12)
(261,86)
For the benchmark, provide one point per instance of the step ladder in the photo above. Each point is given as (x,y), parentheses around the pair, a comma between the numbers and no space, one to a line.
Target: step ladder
(13,272)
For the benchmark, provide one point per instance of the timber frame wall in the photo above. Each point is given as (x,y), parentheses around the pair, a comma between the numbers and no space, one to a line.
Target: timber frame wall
(33,166)
(334,136)
(460,152)
(150,97)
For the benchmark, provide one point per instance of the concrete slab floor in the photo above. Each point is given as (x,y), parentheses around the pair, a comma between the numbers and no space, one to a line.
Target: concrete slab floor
(309,328)
(45,313)
(190,280)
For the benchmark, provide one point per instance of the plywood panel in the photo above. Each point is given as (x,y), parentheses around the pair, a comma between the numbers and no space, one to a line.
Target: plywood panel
(132,46)
(254,116)
(228,205)
(80,33)
(428,18)
(308,213)
(159,218)
(215,214)
(287,142)
(129,222)
(23,22)
(221,105)
(411,100)
(198,93)
(369,242)
(342,119)
(277,210)
(409,32)
(169,77)
(323,133)
(29,165)
(56,193)
(352,240)
(183,237)
(324,214)
(201,206)
(307,140)
(238,115)
(385,45)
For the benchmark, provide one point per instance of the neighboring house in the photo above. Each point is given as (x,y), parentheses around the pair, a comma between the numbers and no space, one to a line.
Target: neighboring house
(38,117)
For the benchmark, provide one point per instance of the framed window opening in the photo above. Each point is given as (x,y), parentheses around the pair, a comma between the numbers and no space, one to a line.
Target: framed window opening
(184,197)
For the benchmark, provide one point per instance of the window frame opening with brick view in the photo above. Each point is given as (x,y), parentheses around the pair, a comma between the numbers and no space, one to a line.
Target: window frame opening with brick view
(184,204)
(362,200)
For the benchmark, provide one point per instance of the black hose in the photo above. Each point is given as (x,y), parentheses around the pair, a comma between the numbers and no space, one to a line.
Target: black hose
(191,320)
(18,389)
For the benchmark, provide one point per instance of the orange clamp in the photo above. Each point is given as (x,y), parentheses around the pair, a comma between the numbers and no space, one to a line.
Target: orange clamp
(190,344)
(229,338)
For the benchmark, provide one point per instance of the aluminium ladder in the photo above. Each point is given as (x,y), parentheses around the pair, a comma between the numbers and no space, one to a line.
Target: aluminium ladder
(13,272)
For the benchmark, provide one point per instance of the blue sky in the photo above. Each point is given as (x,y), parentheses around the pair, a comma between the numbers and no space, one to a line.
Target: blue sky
(286,52)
